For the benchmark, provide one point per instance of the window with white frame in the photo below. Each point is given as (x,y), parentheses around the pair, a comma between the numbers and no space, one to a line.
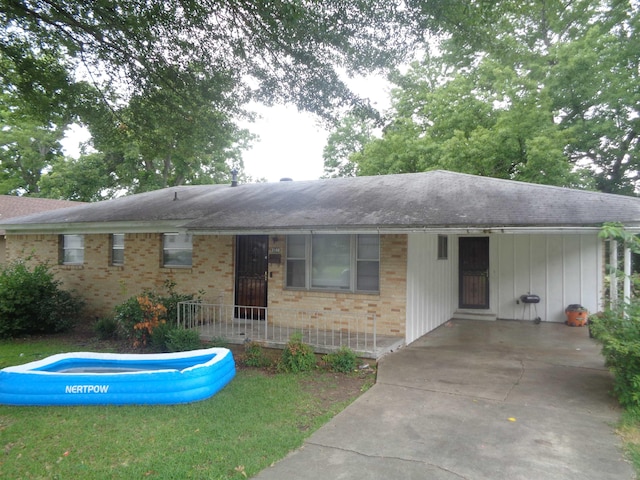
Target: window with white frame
(72,249)
(117,249)
(333,262)
(177,249)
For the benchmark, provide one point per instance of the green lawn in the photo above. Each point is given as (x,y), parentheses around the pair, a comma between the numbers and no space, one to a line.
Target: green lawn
(254,421)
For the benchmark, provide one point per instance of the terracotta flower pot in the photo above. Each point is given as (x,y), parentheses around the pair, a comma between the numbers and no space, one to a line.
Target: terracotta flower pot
(576,317)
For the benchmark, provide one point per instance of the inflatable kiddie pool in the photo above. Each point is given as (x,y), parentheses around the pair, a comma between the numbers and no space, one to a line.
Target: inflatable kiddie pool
(85,378)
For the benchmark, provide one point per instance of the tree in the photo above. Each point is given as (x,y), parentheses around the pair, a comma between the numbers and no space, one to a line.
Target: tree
(26,149)
(349,137)
(541,91)
(277,50)
(149,144)
(169,78)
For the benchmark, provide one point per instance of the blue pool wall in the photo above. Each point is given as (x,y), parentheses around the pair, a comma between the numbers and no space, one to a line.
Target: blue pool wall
(205,372)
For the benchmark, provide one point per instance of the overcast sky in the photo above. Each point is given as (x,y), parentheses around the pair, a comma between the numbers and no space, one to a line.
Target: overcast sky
(291,142)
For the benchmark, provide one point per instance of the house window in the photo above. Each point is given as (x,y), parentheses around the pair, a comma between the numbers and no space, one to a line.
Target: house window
(296,261)
(72,249)
(443,247)
(333,262)
(117,249)
(177,249)
(368,263)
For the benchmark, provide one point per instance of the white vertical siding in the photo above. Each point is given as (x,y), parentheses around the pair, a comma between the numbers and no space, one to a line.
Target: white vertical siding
(562,269)
(432,292)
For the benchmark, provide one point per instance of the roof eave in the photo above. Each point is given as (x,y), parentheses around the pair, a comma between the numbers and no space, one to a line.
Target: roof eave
(96,228)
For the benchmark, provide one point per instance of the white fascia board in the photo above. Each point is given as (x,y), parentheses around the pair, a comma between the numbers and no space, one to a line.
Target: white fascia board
(402,230)
(101,227)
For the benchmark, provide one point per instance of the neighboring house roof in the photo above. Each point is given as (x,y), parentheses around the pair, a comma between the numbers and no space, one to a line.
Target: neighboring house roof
(432,200)
(13,206)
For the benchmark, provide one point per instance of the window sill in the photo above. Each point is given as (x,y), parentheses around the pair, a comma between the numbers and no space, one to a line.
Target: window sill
(328,290)
(71,266)
(176,269)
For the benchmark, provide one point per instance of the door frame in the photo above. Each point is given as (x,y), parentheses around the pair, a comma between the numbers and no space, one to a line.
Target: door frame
(481,274)
(256,281)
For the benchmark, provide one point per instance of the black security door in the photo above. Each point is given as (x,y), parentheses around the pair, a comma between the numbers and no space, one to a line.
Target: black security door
(474,272)
(251,276)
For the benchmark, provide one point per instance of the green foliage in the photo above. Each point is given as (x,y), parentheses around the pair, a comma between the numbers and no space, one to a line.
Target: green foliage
(147,319)
(182,340)
(127,315)
(159,337)
(170,80)
(32,301)
(26,149)
(297,356)
(619,332)
(170,300)
(254,355)
(534,92)
(218,342)
(344,360)
(106,328)
(349,138)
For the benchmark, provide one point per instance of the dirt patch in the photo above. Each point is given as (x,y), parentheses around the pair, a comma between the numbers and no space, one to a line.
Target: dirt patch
(331,388)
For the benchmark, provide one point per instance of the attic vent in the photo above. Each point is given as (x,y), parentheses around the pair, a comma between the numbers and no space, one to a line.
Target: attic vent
(286,179)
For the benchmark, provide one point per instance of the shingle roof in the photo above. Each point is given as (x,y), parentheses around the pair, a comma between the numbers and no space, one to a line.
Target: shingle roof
(436,199)
(13,206)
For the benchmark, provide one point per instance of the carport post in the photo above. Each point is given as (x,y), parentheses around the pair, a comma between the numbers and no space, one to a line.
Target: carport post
(627,276)
(613,265)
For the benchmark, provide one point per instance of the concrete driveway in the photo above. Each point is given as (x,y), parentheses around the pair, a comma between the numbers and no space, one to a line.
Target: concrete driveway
(475,400)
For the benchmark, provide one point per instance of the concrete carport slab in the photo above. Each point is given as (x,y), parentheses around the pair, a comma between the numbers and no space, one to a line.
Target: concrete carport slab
(476,400)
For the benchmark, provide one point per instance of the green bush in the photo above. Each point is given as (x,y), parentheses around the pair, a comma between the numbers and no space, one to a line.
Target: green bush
(297,356)
(254,355)
(619,334)
(160,337)
(106,328)
(344,360)
(31,301)
(146,318)
(182,340)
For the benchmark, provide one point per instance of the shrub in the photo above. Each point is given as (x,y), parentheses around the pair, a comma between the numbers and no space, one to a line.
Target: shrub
(254,355)
(344,360)
(138,317)
(182,340)
(297,356)
(619,332)
(106,328)
(159,337)
(170,300)
(31,301)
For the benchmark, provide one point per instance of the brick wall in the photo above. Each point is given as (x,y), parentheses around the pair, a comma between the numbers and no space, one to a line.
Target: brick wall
(103,286)
(389,305)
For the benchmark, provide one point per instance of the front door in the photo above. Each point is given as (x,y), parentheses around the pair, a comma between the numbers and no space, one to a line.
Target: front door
(251,276)
(474,272)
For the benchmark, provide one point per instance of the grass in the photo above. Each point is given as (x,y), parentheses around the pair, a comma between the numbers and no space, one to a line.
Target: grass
(629,430)
(254,421)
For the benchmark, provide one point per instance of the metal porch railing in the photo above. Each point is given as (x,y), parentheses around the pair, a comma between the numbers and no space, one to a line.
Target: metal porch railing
(325,331)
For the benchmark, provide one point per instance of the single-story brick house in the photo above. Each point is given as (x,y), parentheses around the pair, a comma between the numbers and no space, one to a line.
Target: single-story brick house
(409,251)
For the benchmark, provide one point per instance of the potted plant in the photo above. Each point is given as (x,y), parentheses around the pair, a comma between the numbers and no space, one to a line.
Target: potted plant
(577,315)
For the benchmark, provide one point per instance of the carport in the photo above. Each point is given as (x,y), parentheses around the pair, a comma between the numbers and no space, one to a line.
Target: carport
(476,400)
